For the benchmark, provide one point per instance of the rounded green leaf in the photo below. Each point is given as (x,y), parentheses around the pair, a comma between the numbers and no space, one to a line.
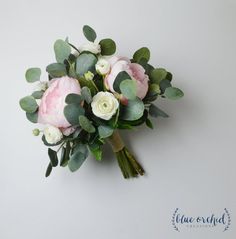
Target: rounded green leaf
(72,113)
(123,75)
(154,111)
(76,160)
(173,93)
(157,75)
(33,74)
(28,104)
(85,62)
(142,53)
(62,50)
(73,99)
(108,47)
(32,117)
(86,94)
(134,110)
(105,131)
(89,33)
(128,89)
(56,70)
(86,124)
(38,94)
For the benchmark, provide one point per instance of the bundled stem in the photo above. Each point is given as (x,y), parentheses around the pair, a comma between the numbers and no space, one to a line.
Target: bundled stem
(128,164)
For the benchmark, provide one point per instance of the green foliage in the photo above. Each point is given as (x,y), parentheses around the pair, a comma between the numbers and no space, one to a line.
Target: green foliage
(28,104)
(86,124)
(56,70)
(173,93)
(142,53)
(154,111)
(164,84)
(157,75)
(129,89)
(122,76)
(108,47)
(149,123)
(86,94)
(96,150)
(85,62)
(32,117)
(65,155)
(105,131)
(73,99)
(62,50)
(33,74)
(89,33)
(38,94)
(72,113)
(133,111)
(49,170)
(53,157)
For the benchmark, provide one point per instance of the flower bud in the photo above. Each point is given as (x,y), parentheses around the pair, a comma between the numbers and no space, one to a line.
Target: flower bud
(89,75)
(36,132)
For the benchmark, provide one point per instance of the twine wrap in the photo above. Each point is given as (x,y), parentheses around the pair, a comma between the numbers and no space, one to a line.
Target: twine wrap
(116,142)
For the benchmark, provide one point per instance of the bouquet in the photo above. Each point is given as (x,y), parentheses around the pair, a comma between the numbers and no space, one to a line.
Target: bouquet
(89,96)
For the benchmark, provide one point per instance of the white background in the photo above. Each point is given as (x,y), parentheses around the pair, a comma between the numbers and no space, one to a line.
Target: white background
(189,158)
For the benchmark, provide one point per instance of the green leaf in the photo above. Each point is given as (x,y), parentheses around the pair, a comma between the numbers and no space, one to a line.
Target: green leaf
(56,70)
(173,93)
(105,131)
(72,113)
(33,74)
(123,75)
(73,99)
(128,89)
(38,94)
(96,150)
(154,111)
(28,104)
(32,117)
(133,111)
(86,94)
(65,155)
(89,33)
(62,50)
(49,170)
(53,157)
(108,47)
(85,62)
(157,75)
(86,124)
(82,148)
(164,84)
(76,160)
(149,123)
(142,53)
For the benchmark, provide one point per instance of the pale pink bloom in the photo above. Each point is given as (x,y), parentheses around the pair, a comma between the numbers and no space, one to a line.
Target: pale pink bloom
(51,109)
(136,72)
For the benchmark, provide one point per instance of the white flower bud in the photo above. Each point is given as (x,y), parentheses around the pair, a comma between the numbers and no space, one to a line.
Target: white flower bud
(104,105)
(52,134)
(91,47)
(102,66)
(89,75)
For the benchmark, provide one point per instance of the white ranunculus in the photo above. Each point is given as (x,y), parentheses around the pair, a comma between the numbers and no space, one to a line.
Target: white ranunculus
(104,105)
(92,47)
(103,66)
(52,134)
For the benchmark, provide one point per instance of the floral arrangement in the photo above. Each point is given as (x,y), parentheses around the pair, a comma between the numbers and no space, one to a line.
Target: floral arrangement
(89,96)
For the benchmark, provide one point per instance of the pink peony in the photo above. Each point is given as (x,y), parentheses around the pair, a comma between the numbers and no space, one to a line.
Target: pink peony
(53,102)
(135,70)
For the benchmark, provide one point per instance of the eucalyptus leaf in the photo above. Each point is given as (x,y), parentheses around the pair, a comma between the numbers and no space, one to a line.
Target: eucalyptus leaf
(38,94)
(154,111)
(72,113)
(157,75)
(89,33)
(53,157)
(56,70)
(149,123)
(65,155)
(33,75)
(123,75)
(164,84)
(85,62)
(73,99)
(142,53)
(32,117)
(76,160)
(173,93)
(105,131)
(86,124)
(133,111)
(62,50)
(108,47)
(49,170)
(86,94)
(28,104)
(128,89)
